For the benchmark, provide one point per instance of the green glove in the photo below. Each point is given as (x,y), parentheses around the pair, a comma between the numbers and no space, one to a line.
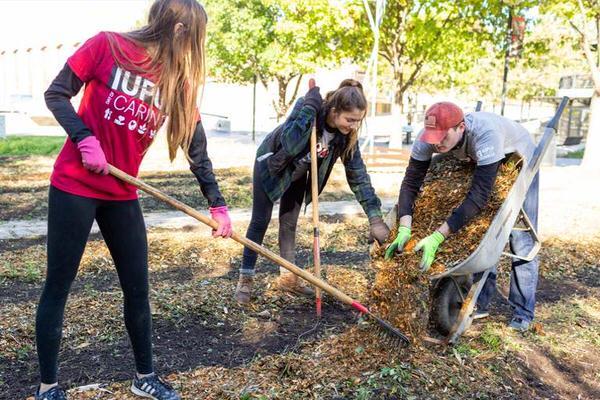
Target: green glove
(398,243)
(429,245)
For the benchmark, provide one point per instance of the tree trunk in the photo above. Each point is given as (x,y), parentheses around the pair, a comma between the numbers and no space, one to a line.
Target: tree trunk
(399,99)
(280,107)
(398,90)
(591,156)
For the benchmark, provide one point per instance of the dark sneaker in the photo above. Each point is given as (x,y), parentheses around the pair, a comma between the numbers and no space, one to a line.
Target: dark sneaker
(153,387)
(56,393)
(519,324)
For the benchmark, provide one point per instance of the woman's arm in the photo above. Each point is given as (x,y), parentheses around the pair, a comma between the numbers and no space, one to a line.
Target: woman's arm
(360,184)
(58,99)
(201,166)
(294,137)
(297,127)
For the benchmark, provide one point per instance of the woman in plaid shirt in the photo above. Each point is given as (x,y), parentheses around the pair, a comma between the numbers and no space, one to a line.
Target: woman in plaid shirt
(282,172)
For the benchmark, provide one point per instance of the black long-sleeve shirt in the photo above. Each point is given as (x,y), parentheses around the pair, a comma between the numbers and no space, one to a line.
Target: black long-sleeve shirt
(58,99)
(477,197)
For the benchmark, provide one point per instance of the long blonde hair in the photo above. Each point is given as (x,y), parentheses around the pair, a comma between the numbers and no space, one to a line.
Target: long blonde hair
(176,59)
(347,97)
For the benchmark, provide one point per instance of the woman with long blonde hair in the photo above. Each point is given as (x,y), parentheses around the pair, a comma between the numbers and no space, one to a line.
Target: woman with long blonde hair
(281,172)
(133,82)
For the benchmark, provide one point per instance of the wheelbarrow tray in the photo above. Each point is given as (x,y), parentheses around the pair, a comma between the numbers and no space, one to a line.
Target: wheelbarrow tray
(491,247)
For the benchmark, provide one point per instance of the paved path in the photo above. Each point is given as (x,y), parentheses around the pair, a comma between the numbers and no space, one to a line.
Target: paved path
(569,206)
(176,219)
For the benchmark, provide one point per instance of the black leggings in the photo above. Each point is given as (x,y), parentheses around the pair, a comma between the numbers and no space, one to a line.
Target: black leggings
(262,208)
(70,219)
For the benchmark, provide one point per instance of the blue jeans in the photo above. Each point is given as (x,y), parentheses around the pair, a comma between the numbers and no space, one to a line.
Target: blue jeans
(524,275)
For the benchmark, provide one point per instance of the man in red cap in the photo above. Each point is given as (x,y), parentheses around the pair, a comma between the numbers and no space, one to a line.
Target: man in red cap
(486,139)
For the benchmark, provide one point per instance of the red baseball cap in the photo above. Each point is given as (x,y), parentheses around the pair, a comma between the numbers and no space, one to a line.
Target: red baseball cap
(438,119)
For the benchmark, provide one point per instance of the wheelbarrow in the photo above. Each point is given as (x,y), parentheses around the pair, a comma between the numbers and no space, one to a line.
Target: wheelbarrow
(454,293)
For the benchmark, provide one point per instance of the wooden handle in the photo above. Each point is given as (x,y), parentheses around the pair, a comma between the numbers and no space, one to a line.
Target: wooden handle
(319,283)
(314,173)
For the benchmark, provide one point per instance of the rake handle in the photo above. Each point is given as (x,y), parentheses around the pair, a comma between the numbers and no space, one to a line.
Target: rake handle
(114,171)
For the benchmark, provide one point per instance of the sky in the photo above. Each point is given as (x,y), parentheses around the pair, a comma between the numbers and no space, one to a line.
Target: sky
(33,23)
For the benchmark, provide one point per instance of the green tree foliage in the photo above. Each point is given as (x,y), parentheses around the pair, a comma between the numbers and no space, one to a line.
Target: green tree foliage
(281,40)
(584,18)
(443,37)
(549,51)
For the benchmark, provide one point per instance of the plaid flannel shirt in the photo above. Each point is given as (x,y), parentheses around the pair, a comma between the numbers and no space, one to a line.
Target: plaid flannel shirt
(291,141)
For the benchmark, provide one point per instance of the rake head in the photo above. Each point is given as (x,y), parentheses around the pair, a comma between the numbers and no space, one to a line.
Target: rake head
(389,334)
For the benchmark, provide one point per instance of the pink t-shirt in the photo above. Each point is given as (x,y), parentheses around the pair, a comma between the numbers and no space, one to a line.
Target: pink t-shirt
(116,108)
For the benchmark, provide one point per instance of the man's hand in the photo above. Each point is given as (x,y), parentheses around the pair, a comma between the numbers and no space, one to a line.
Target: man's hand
(398,244)
(429,245)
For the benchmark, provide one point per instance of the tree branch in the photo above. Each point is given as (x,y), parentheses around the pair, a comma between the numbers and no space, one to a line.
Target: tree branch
(295,90)
(412,76)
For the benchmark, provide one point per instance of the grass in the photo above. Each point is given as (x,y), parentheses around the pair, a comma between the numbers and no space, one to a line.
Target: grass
(31,145)
(391,380)
(491,338)
(575,154)
(29,271)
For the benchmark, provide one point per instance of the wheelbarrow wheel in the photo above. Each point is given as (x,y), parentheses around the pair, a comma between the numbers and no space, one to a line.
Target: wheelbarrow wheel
(447,300)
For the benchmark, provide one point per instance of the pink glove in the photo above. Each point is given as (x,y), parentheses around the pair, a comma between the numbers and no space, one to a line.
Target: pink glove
(92,155)
(221,215)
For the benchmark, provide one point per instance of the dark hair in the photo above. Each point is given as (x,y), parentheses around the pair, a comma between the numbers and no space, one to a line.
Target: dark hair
(349,96)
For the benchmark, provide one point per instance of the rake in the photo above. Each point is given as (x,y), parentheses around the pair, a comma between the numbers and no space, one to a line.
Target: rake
(389,332)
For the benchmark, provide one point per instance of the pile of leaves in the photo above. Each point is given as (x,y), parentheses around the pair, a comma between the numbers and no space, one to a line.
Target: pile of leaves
(401,292)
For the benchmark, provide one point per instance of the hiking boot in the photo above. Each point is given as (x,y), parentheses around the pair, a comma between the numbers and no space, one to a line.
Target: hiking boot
(291,283)
(56,393)
(519,324)
(243,291)
(153,387)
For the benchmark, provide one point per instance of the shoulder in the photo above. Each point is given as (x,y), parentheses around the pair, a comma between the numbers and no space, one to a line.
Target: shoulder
(297,107)
(299,103)
(421,151)
(483,127)
(481,122)
(96,46)
(86,59)
(99,39)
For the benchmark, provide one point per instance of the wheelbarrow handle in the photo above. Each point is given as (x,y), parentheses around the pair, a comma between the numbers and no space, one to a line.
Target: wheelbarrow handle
(240,239)
(537,244)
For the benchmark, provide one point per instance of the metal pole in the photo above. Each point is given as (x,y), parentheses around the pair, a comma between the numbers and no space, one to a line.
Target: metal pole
(570,119)
(506,61)
(254,111)
(374,87)
(372,65)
